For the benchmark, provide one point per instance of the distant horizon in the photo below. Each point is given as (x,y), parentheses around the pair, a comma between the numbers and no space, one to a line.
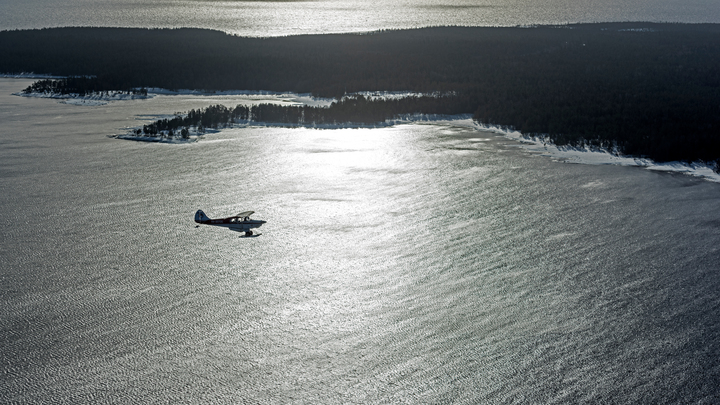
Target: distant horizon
(287,18)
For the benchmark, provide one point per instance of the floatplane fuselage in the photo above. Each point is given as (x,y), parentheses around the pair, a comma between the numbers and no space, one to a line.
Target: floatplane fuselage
(238,223)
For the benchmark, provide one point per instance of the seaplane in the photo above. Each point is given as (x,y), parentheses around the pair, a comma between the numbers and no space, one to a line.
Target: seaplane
(238,223)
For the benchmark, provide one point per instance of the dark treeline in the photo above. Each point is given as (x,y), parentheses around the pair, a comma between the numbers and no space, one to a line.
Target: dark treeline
(652,92)
(352,109)
(214,116)
(80,85)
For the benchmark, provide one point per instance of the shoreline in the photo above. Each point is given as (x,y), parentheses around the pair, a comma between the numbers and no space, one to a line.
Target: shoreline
(194,135)
(600,156)
(95,99)
(563,154)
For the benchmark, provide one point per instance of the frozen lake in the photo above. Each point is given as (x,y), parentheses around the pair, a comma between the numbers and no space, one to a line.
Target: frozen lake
(420,263)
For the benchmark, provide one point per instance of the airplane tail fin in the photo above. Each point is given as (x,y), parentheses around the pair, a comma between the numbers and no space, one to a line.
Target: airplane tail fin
(200,217)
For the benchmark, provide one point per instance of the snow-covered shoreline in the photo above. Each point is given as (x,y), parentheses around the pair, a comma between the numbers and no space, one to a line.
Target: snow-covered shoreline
(103,98)
(95,99)
(597,156)
(28,75)
(567,154)
(194,135)
(299,98)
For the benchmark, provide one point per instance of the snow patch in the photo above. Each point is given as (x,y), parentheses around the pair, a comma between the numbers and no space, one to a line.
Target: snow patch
(157,139)
(94,99)
(297,98)
(637,30)
(395,95)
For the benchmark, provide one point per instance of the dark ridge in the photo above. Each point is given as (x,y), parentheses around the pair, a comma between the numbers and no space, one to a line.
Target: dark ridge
(650,89)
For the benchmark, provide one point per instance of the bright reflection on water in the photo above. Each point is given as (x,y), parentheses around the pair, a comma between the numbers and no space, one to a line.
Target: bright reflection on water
(276,18)
(420,263)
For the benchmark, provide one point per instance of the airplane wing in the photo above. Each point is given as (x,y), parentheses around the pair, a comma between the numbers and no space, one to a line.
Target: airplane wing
(245,214)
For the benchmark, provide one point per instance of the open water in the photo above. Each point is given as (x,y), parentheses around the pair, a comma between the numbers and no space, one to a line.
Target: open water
(420,263)
(283,17)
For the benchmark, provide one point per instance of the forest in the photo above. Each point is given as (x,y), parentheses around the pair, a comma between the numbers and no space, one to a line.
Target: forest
(648,89)
(354,109)
(79,85)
